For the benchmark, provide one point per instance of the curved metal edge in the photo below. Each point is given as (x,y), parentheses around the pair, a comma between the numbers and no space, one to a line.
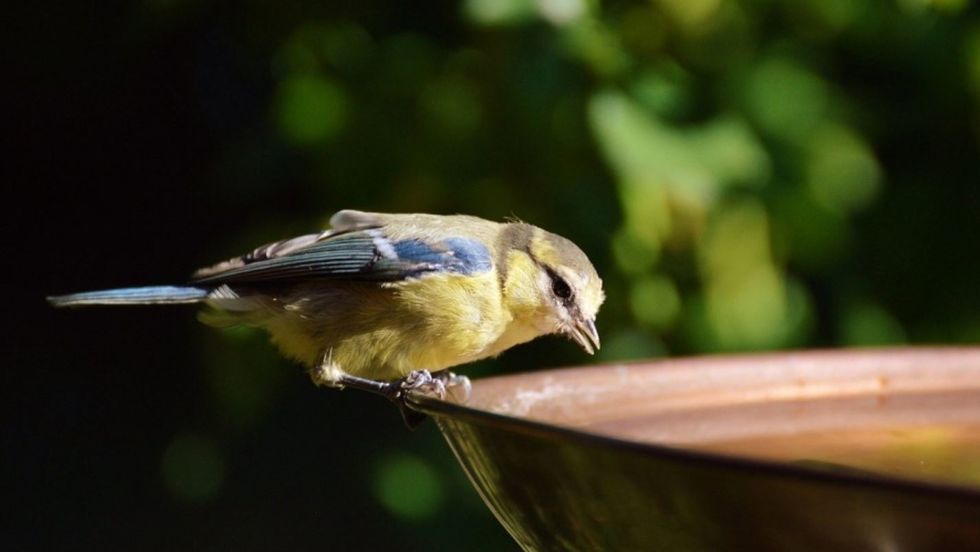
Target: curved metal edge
(436,408)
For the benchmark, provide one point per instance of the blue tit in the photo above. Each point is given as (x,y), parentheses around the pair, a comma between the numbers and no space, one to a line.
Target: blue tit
(381,296)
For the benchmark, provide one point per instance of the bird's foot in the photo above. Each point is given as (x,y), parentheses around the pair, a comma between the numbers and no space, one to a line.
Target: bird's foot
(440,384)
(424,382)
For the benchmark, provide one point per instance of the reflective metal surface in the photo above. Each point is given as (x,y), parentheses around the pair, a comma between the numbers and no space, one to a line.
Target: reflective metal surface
(848,450)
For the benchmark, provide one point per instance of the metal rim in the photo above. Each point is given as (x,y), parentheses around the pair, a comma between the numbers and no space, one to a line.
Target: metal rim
(440,408)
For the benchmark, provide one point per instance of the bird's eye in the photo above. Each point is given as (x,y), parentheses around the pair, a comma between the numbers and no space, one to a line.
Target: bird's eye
(560,287)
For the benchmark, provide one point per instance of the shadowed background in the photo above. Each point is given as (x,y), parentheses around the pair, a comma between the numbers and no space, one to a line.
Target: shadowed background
(748,175)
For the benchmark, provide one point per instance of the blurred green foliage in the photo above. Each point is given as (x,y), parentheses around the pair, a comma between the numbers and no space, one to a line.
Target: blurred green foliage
(725,154)
(746,175)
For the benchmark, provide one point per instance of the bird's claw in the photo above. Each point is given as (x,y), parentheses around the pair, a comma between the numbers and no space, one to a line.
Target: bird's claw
(439,384)
(424,382)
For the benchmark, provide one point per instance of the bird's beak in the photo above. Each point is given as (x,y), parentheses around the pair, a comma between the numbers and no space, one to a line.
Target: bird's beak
(585,334)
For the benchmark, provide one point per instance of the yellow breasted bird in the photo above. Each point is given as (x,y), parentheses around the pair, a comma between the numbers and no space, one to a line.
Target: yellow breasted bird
(379,297)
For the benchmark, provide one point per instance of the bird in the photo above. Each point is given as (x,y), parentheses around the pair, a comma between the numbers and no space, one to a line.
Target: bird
(382,301)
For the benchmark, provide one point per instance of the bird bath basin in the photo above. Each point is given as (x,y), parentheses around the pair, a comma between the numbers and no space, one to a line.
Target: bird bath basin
(835,450)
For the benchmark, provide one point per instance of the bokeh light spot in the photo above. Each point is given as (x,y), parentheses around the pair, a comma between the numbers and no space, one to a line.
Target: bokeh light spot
(785,98)
(842,173)
(409,487)
(311,109)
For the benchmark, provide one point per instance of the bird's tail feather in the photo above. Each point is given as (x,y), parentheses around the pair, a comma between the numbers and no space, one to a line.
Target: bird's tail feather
(152,295)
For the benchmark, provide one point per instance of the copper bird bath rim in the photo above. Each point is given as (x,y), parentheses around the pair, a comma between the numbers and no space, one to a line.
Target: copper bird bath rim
(438,409)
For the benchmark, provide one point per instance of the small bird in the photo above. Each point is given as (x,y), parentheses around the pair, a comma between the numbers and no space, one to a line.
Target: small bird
(381,298)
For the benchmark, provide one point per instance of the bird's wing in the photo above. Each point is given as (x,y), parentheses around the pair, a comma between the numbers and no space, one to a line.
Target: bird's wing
(350,254)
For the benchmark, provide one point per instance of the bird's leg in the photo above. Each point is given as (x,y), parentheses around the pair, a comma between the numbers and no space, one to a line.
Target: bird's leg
(387,389)
(395,391)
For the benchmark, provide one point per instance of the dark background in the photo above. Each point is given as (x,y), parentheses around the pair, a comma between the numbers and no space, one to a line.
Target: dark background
(745,175)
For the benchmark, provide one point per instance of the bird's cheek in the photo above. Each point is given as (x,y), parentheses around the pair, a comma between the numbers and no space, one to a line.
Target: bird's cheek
(558,324)
(545,324)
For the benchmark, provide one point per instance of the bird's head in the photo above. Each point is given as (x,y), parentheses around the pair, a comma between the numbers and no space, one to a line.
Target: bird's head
(562,284)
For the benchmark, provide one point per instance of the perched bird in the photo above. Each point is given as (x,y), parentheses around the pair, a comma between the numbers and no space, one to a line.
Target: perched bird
(382,297)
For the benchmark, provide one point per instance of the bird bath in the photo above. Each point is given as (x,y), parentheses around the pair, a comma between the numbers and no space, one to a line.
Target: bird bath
(824,450)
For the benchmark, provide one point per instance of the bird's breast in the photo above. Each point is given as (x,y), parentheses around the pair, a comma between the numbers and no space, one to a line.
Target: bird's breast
(431,322)
(457,315)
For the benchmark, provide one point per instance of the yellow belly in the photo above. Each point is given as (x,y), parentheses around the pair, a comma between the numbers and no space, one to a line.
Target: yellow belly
(431,323)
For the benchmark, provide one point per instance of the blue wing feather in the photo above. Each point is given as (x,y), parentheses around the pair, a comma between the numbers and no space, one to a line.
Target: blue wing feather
(361,255)
(469,255)
(132,296)
(461,255)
